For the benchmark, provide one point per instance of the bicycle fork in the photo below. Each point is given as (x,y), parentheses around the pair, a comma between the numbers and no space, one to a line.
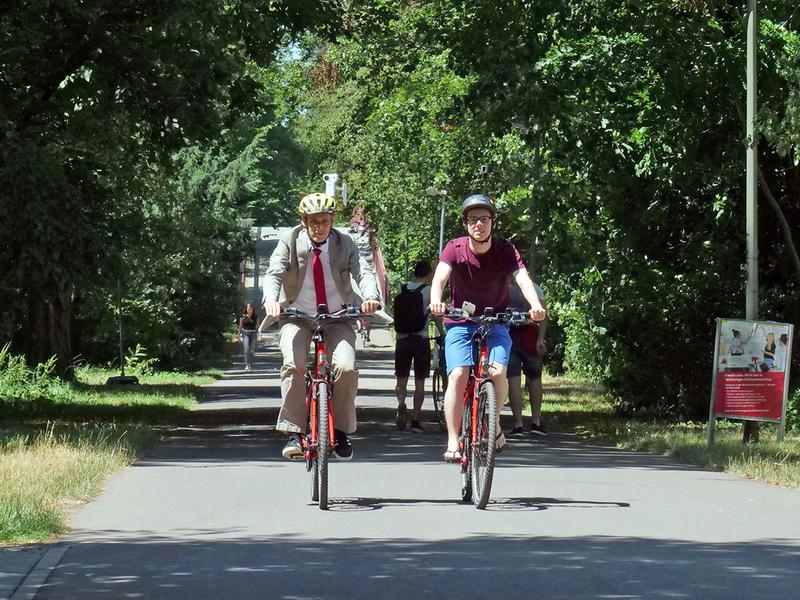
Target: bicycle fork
(314,376)
(470,441)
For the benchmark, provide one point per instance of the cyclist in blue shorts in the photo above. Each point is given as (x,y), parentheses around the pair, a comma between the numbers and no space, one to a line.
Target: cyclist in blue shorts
(478,267)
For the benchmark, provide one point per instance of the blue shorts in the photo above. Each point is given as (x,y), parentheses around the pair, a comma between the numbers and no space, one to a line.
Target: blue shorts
(458,345)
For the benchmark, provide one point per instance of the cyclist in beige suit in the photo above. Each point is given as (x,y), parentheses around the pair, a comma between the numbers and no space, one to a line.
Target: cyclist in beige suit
(314,262)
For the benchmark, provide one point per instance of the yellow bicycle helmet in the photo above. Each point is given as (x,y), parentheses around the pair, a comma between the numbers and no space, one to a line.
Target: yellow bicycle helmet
(317,203)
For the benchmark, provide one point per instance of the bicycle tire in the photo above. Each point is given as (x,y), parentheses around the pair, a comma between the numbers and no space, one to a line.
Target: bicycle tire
(483,454)
(439,387)
(466,472)
(324,450)
(312,466)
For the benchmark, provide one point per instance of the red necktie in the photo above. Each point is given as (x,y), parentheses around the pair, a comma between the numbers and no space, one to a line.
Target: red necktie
(319,277)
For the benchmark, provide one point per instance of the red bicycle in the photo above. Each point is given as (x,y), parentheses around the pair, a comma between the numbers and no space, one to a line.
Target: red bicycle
(439,379)
(479,431)
(319,439)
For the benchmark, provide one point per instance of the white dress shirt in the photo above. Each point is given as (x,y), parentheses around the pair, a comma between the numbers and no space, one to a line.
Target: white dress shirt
(307,298)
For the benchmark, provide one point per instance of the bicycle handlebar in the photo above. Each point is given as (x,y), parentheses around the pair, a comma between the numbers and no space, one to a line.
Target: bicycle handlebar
(347,312)
(512,317)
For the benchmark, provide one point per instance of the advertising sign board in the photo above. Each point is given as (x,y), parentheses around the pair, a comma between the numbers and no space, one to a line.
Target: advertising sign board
(751,372)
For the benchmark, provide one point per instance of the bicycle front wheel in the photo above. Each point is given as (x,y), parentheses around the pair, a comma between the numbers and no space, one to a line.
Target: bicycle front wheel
(312,466)
(483,446)
(439,387)
(324,450)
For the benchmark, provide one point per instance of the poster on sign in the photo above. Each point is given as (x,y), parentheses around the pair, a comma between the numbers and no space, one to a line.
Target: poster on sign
(751,372)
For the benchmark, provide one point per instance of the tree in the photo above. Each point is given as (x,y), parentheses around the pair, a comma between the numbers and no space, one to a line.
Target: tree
(611,128)
(94,96)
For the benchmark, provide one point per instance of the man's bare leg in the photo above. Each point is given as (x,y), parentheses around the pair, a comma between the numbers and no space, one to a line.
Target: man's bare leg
(419,398)
(400,392)
(453,406)
(500,380)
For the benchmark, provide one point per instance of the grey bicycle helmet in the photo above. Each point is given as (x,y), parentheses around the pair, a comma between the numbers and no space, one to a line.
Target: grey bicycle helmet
(478,201)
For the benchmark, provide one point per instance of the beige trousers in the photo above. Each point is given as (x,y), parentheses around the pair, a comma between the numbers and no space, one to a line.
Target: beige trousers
(295,342)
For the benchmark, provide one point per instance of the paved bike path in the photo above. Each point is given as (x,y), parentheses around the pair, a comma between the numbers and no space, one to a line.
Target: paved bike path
(215,512)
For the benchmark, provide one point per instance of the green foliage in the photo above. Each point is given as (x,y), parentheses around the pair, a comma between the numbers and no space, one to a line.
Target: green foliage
(614,133)
(20,383)
(793,410)
(97,99)
(138,363)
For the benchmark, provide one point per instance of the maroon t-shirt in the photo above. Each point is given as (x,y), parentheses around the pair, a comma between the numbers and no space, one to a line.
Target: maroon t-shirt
(481,278)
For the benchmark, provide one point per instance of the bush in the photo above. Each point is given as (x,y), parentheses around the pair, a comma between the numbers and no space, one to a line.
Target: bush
(18,382)
(793,410)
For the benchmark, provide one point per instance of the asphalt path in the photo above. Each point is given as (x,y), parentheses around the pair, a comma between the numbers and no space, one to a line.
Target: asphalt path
(215,512)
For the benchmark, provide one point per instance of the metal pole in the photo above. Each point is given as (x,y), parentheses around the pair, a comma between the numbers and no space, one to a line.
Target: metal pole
(119,324)
(441,225)
(751,300)
(537,171)
(712,419)
(751,309)
(405,257)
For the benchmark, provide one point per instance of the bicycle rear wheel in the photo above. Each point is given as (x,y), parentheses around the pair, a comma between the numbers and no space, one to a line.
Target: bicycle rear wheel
(483,452)
(439,387)
(466,472)
(324,450)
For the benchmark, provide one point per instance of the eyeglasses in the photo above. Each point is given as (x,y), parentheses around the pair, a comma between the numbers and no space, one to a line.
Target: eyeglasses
(472,221)
(318,224)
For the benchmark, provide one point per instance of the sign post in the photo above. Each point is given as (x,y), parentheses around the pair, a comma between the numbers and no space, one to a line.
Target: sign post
(750,381)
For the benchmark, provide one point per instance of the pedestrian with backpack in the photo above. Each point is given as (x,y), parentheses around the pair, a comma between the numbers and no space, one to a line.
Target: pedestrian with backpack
(411,326)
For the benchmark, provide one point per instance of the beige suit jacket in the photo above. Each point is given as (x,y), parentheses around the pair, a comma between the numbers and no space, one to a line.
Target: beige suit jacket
(287,268)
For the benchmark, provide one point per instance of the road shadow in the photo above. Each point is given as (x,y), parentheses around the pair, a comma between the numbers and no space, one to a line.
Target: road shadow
(499,504)
(213,563)
(377,441)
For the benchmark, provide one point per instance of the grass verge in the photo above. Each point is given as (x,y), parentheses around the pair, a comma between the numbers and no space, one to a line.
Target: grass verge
(574,405)
(44,472)
(59,442)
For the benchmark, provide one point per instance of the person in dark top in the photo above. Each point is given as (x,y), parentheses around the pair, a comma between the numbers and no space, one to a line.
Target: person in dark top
(248,324)
(769,351)
(413,346)
(478,267)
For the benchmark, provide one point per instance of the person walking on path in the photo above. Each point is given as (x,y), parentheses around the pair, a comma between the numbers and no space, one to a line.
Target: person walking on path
(478,267)
(528,348)
(248,325)
(411,326)
(292,282)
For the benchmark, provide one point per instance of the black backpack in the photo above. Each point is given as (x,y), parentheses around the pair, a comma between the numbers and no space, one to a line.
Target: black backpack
(409,312)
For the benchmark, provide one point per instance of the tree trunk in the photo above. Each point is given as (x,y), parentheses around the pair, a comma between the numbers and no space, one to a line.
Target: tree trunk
(787,230)
(48,330)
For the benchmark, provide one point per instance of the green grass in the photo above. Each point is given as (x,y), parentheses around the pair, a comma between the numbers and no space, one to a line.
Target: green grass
(60,441)
(574,405)
(44,472)
(158,398)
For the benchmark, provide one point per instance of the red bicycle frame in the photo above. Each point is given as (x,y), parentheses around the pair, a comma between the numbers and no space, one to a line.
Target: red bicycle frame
(476,377)
(318,374)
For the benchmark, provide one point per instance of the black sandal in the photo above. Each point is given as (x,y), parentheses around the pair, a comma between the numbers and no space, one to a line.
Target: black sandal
(453,456)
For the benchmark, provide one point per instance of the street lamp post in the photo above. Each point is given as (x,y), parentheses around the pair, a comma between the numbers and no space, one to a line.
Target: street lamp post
(432,191)
(751,299)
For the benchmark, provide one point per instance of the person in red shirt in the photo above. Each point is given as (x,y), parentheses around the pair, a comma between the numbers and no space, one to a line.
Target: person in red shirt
(527,351)
(478,267)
